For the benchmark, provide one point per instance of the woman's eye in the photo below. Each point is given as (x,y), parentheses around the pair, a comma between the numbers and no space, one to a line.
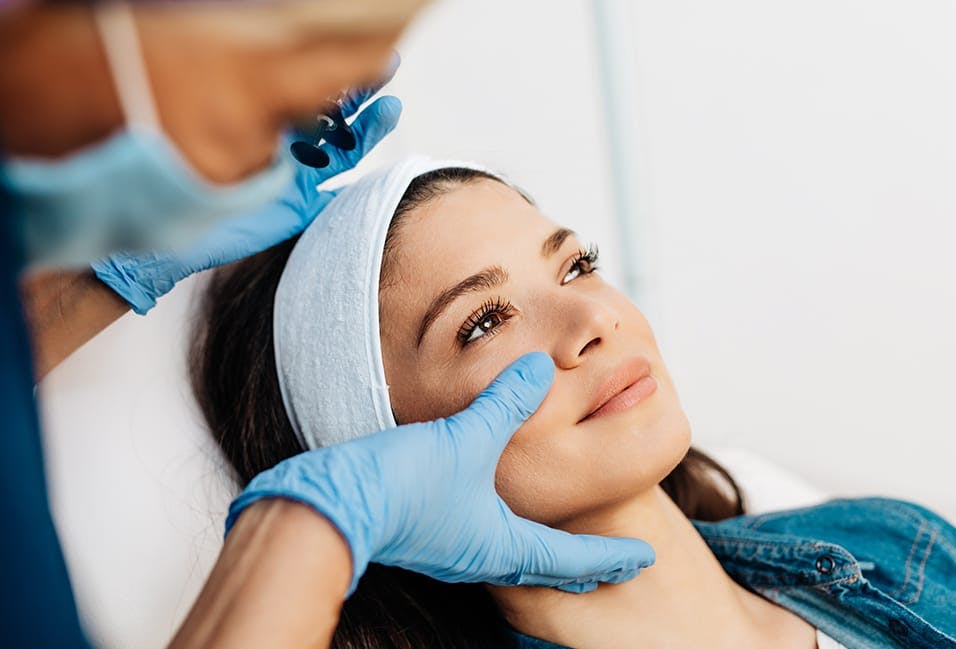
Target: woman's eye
(486,324)
(486,321)
(575,271)
(584,264)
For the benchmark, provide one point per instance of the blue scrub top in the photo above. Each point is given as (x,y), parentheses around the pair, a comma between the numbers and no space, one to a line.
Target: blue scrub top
(36,605)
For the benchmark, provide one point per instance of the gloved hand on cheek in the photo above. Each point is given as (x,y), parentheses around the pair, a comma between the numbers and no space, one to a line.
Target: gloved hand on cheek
(422,497)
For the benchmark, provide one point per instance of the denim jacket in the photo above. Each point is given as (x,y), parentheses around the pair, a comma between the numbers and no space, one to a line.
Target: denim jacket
(868,572)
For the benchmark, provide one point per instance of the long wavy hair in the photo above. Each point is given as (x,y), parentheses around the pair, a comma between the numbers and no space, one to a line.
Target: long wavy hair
(233,373)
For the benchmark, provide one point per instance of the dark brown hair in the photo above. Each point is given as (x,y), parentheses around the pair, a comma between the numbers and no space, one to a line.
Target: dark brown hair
(234,377)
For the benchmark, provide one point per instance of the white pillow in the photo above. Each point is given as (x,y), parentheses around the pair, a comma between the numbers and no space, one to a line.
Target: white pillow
(766,486)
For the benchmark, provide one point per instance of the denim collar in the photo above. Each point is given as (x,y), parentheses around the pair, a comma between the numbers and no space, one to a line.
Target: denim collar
(768,559)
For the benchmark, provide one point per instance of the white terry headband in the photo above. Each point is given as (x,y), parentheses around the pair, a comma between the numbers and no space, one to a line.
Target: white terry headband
(327,342)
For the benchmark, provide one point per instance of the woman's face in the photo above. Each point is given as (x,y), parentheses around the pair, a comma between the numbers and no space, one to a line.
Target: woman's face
(480,277)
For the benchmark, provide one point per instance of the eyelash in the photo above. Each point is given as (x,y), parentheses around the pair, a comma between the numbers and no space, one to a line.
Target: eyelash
(585,261)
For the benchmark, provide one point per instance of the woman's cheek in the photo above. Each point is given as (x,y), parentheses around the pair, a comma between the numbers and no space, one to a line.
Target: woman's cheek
(535,469)
(541,490)
(472,378)
(453,391)
(514,480)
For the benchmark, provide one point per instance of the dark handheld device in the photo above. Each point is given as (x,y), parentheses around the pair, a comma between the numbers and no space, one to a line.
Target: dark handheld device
(331,128)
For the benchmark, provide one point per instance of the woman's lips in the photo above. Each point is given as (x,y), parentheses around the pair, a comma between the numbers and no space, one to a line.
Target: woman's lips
(625,388)
(630,396)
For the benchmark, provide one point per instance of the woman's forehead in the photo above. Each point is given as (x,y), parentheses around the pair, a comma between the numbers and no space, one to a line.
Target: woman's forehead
(469,220)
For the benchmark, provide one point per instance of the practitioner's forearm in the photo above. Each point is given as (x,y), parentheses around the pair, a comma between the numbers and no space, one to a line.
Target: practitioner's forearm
(279,582)
(65,309)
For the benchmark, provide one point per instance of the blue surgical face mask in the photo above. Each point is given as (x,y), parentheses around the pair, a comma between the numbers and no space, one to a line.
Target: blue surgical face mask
(134,191)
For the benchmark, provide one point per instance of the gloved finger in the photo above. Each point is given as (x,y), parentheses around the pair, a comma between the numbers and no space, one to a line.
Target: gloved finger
(578,588)
(590,584)
(504,405)
(118,271)
(358,96)
(561,559)
(372,124)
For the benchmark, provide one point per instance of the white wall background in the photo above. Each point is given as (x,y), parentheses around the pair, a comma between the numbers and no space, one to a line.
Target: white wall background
(796,208)
(800,164)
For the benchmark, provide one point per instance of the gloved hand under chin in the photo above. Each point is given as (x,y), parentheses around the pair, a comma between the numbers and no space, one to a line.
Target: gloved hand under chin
(422,497)
(142,278)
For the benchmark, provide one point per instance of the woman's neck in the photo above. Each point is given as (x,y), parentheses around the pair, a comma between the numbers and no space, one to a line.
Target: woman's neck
(684,600)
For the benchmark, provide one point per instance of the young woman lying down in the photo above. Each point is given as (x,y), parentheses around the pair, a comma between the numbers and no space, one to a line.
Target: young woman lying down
(418,285)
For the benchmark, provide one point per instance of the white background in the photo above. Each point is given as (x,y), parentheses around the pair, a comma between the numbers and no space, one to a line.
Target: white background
(795,219)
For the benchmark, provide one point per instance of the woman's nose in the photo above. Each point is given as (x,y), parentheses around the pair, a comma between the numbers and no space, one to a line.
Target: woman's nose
(585,324)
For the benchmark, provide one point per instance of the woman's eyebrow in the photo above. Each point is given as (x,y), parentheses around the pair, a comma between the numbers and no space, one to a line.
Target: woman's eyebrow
(490,277)
(553,243)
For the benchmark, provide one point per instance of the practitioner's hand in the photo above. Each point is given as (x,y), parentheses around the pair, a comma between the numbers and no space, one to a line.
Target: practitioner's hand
(141,279)
(422,497)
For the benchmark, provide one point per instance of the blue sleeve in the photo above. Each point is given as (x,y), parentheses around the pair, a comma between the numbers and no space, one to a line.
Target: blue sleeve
(37,607)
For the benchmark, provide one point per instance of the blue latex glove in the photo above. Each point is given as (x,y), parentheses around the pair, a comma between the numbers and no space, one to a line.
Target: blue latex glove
(422,497)
(141,279)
